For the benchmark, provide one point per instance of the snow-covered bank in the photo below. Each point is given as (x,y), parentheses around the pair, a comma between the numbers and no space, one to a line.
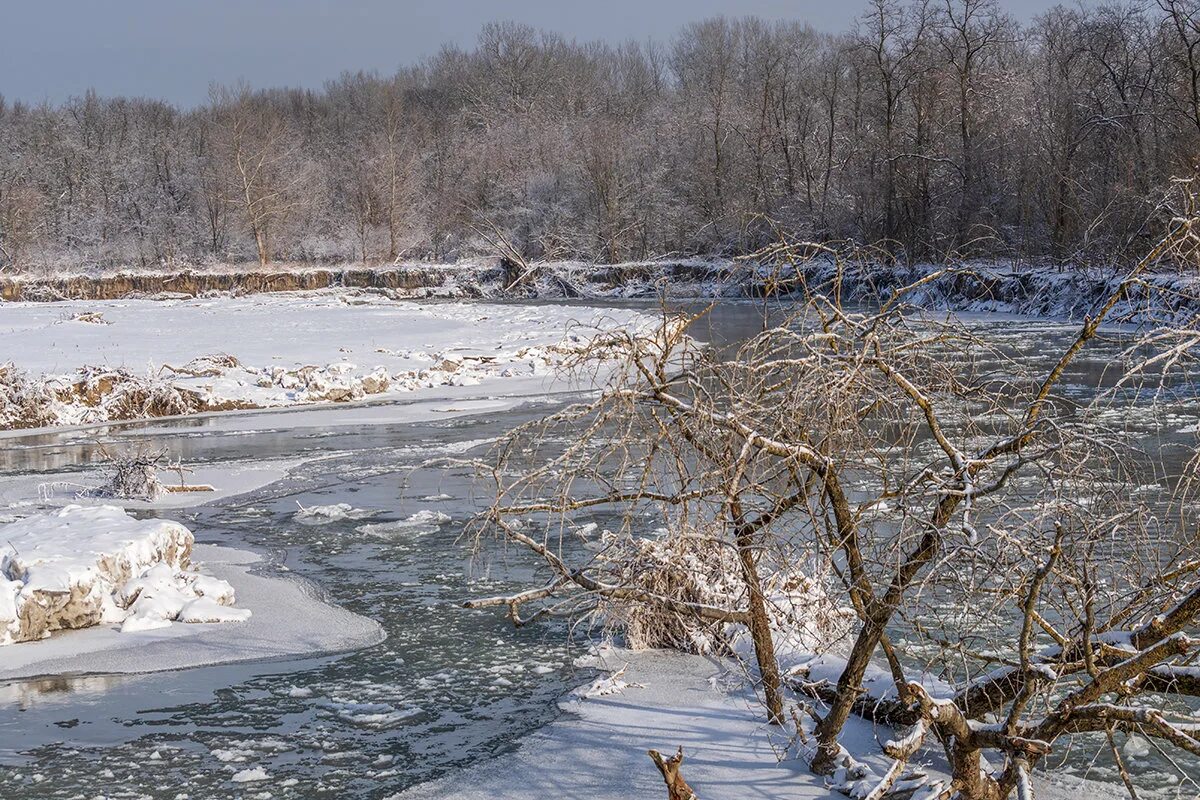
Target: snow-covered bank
(1048,292)
(77,567)
(77,363)
(980,286)
(289,617)
(998,287)
(469,279)
(598,748)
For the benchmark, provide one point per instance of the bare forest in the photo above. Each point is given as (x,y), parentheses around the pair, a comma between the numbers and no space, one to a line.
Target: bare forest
(944,129)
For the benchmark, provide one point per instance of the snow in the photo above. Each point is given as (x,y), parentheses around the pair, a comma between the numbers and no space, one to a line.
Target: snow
(163,357)
(80,566)
(204,609)
(597,749)
(289,616)
(605,685)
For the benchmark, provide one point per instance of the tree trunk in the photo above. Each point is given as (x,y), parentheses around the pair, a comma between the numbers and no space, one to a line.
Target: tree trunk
(760,632)
(848,689)
(260,242)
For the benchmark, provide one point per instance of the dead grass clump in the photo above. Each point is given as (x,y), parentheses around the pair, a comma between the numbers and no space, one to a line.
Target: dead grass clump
(24,403)
(94,385)
(210,366)
(685,569)
(148,397)
(123,395)
(90,317)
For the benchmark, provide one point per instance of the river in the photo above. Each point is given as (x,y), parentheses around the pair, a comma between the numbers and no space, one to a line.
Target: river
(447,687)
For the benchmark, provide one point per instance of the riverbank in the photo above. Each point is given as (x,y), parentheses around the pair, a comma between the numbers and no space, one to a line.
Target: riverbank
(483,279)
(597,748)
(1043,291)
(75,363)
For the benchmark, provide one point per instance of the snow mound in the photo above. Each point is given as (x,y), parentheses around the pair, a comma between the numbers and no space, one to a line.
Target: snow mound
(80,566)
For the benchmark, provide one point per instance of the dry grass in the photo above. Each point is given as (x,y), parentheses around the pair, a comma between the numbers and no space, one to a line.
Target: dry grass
(24,403)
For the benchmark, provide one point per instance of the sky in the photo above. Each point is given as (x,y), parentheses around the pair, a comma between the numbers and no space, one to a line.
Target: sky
(173,49)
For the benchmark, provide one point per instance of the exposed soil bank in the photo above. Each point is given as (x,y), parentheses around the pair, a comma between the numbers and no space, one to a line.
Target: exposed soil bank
(121,285)
(450,280)
(1034,291)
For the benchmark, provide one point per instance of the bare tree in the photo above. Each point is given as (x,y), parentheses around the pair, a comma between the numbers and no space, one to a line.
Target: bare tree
(880,457)
(21,216)
(265,175)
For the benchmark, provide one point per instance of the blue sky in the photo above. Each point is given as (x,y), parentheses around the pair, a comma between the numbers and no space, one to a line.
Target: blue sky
(52,49)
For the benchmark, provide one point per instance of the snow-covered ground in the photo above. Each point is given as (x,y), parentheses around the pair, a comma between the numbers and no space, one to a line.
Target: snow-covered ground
(78,566)
(288,616)
(77,363)
(597,749)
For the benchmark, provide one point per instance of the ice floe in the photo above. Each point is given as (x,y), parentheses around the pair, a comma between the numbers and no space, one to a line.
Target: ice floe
(423,521)
(323,515)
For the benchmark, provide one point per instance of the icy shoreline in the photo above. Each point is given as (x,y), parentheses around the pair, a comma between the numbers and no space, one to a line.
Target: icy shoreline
(993,286)
(597,748)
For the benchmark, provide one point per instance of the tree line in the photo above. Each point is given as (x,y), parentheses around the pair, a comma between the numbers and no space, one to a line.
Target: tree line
(937,129)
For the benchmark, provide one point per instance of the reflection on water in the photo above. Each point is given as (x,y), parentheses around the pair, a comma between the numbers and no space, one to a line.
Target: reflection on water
(447,686)
(56,689)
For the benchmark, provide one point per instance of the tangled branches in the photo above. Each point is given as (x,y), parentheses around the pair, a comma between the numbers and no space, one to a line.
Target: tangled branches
(927,481)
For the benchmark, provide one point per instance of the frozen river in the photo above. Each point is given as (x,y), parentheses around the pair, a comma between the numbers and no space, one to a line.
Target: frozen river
(446,687)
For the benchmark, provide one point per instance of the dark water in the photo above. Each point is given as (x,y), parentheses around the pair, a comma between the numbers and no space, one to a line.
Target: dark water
(447,687)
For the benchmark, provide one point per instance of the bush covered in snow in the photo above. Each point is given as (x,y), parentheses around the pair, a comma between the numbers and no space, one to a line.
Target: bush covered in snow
(133,476)
(24,402)
(701,570)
